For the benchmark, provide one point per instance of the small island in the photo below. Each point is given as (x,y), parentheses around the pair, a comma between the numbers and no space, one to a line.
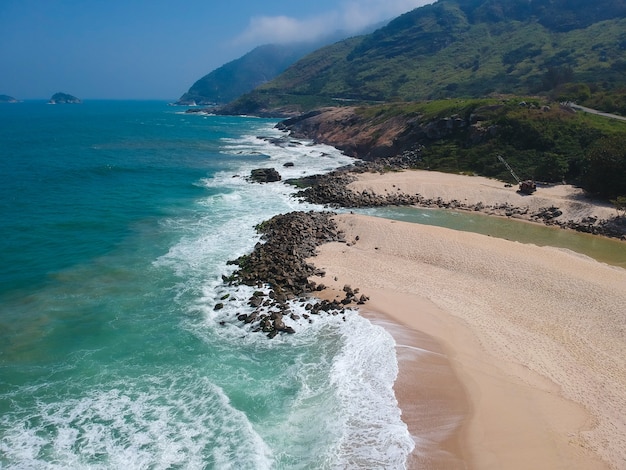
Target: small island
(7,99)
(64,98)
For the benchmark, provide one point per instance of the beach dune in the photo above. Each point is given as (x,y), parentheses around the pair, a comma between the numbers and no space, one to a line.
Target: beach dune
(528,343)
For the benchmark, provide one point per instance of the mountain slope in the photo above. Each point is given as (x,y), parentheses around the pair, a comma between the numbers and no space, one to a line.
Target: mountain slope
(258,66)
(241,75)
(462,48)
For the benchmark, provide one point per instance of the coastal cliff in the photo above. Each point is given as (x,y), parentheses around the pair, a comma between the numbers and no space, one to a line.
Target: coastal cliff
(355,135)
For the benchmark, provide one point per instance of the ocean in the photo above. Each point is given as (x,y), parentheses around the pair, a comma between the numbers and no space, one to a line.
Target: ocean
(117,222)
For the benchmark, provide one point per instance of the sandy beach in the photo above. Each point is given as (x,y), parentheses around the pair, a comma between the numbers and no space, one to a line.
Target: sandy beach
(511,355)
(489,193)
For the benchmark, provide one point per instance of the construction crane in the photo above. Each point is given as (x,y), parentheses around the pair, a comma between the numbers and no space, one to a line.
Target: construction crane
(526,186)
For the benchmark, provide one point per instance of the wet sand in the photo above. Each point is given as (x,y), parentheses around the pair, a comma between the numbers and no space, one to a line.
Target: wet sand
(514,354)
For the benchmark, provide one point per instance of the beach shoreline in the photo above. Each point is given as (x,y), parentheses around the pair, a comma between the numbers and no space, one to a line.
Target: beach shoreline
(539,391)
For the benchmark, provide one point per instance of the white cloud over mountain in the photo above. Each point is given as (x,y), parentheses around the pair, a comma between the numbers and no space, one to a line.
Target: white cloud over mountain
(350,16)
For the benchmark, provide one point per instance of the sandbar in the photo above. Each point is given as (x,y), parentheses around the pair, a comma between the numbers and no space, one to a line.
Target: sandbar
(489,194)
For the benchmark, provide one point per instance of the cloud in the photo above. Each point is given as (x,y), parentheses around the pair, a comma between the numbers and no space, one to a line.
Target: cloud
(280,29)
(350,16)
(359,14)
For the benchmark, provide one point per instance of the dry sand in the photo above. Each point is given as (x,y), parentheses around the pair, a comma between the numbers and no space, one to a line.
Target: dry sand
(515,356)
(471,190)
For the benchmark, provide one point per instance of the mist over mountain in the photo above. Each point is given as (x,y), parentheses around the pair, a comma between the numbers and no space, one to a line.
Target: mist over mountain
(241,75)
(459,48)
(255,68)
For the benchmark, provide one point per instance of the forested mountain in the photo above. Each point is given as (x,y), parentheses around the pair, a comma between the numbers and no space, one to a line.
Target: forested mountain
(258,66)
(239,76)
(462,48)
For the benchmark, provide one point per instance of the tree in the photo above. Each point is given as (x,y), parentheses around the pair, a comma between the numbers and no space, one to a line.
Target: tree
(551,167)
(620,205)
(604,171)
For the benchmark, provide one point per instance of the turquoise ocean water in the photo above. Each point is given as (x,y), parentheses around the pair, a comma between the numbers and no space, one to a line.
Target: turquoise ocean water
(117,220)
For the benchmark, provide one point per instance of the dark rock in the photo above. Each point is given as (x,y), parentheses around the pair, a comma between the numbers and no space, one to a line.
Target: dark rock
(265,175)
(280,263)
(249,318)
(255,302)
(64,98)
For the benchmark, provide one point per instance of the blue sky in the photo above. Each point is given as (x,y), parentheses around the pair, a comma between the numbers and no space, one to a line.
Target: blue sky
(155,49)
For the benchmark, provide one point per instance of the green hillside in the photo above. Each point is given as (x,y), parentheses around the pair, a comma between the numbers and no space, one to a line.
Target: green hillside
(258,66)
(462,48)
(242,75)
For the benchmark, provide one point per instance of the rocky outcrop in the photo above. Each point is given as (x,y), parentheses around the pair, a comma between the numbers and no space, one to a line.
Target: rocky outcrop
(345,130)
(64,98)
(280,264)
(264,175)
(370,137)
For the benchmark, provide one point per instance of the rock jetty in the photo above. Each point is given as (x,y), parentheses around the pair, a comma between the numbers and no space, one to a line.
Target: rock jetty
(279,263)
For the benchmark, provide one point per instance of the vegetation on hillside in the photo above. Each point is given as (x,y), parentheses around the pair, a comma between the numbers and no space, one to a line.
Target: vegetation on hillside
(467,48)
(258,66)
(545,143)
(242,75)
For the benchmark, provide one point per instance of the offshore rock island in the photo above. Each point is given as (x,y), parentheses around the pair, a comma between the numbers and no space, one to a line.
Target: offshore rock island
(64,98)
(8,99)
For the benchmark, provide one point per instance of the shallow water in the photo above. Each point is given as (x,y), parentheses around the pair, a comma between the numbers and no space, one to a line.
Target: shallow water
(603,249)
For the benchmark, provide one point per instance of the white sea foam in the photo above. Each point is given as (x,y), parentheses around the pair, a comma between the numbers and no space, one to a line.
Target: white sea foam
(332,381)
(147,422)
(364,372)
(340,411)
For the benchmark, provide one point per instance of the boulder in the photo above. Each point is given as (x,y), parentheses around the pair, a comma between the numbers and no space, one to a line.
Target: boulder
(265,175)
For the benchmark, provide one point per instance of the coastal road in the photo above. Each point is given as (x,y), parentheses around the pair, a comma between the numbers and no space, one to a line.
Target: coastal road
(578,107)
